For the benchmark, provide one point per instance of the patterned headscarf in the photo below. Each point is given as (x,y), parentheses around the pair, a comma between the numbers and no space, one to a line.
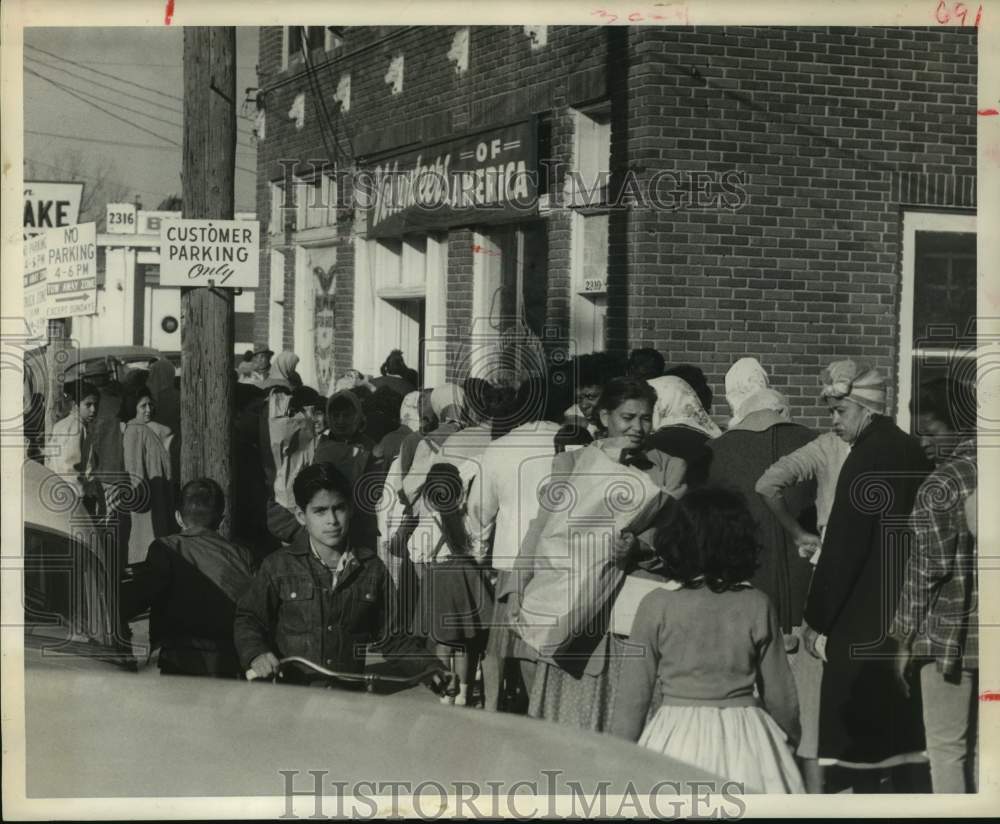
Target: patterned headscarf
(744,377)
(677,403)
(858,382)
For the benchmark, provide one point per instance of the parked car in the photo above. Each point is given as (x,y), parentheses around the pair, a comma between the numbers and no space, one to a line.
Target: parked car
(97,728)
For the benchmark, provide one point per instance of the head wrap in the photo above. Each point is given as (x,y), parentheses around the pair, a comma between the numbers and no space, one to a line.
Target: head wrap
(448,397)
(409,411)
(281,370)
(744,378)
(354,401)
(765,400)
(858,382)
(677,403)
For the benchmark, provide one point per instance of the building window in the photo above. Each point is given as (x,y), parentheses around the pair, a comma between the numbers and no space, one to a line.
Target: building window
(294,37)
(316,201)
(276,222)
(587,195)
(509,300)
(276,305)
(938,303)
(400,303)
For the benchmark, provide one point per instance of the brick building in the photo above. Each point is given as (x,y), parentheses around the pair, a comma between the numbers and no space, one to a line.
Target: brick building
(793,194)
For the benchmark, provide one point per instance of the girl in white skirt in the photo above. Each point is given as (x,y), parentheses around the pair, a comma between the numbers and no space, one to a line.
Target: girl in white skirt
(706,680)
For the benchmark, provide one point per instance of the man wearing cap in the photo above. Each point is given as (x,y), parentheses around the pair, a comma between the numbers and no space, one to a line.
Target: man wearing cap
(867,723)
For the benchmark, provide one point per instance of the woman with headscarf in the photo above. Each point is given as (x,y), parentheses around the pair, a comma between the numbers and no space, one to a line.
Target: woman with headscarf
(744,378)
(146,445)
(409,422)
(682,427)
(577,675)
(867,722)
(761,435)
(275,425)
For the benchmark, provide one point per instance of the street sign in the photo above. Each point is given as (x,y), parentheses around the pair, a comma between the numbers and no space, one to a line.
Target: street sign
(121,219)
(210,252)
(49,205)
(71,271)
(35,255)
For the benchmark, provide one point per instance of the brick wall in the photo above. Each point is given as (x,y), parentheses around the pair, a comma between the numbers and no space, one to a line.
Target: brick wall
(830,131)
(819,121)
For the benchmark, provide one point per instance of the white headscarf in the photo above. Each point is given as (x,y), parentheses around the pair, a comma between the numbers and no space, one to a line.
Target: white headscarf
(409,411)
(677,403)
(448,397)
(744,378)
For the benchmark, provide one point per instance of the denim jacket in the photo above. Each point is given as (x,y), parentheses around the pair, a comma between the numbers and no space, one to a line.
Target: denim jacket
(290,609)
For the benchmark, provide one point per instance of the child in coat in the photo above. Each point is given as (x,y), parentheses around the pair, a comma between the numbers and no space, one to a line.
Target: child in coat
(707,681)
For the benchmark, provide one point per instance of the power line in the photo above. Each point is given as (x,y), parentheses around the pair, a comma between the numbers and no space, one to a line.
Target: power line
(102,109)
(122,106)
(106,74)
(109,141)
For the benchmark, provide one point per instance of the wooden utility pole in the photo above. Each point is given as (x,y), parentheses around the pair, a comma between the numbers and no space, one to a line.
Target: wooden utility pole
(207,377)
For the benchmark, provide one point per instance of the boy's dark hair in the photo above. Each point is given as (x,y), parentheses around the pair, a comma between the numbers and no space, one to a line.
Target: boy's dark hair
(77,390)
(645,363)
(202,503)
(708,538)
(130,400)
(949,401)
(320,477)
(304,396)
(694,377)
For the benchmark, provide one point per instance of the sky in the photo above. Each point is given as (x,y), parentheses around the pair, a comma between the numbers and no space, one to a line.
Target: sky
(149,58)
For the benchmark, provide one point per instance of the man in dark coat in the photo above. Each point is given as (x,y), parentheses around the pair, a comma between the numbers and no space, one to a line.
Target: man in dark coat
(866,721)
(191,582)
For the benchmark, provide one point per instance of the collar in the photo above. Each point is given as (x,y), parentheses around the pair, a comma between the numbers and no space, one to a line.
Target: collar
(301,546)
(197,530)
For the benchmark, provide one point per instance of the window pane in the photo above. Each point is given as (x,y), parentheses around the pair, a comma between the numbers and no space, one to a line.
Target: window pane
(945,283)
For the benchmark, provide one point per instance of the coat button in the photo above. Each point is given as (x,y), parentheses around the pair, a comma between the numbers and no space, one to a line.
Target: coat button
(329,662)
(292,595)
(330,628)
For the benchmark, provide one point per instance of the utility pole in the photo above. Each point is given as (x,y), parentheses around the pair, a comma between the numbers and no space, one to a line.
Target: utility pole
(207,378)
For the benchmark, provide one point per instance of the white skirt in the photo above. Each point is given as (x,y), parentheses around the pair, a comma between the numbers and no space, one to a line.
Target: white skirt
(742,744)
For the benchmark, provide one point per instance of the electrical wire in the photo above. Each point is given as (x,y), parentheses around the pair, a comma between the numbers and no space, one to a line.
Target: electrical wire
(246,140)
(72,93)
(109,141)
(105,74)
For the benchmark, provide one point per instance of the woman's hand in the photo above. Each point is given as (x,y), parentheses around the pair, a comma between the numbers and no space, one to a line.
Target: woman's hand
(807,543)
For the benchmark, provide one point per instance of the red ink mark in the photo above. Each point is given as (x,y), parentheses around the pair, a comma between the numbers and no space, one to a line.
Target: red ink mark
(635,17)
(959,14)
(170,13)
(990,696)
(482,250)
(988,112)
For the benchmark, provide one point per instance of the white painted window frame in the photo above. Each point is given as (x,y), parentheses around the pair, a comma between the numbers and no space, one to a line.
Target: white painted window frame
(917,221)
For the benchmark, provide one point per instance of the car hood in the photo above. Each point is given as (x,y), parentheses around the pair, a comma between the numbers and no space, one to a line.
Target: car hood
(116,734)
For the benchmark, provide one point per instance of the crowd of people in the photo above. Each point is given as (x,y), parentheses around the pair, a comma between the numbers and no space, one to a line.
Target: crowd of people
(588,547)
